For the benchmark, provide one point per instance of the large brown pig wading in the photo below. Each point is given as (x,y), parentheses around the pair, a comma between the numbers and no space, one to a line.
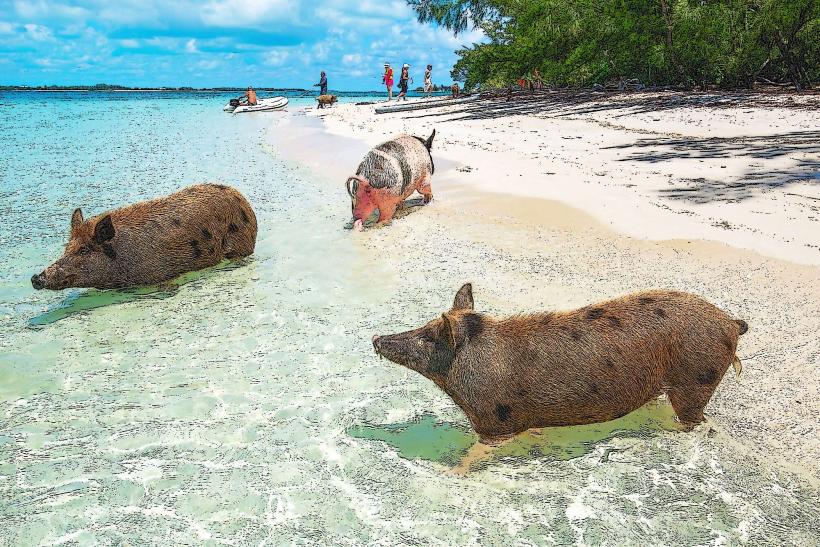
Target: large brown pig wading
(589,365)
(389,174)
(154,241)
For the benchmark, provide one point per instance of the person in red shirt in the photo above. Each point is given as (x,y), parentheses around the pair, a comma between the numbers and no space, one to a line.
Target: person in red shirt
(388,80)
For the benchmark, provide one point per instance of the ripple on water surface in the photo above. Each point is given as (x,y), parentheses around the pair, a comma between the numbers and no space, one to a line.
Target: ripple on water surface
(243,404)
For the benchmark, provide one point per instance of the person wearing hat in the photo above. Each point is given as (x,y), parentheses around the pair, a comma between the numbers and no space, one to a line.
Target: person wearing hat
(388,80)
(403,81)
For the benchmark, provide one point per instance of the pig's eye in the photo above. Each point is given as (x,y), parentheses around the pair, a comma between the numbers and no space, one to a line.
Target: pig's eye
(84,250)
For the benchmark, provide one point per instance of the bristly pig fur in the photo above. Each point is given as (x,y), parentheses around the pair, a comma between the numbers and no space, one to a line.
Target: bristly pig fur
(588,365)
(154,241)
(389,174)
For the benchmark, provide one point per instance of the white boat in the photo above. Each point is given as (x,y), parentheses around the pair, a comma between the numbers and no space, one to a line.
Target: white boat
(271,103)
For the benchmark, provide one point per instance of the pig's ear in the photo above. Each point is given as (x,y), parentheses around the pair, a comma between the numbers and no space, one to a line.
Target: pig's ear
(453,330)
(76,218)
(104,230)
(464,298)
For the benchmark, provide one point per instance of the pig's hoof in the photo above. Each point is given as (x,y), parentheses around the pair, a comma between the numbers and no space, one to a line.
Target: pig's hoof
(358,225)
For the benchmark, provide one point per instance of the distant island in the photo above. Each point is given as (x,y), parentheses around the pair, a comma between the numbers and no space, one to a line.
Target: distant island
(113,87)
(436,88)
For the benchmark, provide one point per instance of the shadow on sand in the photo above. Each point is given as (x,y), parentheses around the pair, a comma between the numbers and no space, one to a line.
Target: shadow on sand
(703,190)
(571,102)
(568,103)
(409,206)
(429,439)
(758,179)
(92,298)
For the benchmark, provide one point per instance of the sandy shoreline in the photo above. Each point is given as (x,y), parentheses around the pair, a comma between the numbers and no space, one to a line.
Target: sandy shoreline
(734,169)
(526,254)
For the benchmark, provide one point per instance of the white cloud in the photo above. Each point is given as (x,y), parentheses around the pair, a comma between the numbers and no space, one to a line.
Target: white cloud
(351,59)
(38,9)
(248,13)
(38,33)
(208,65)
(321,50)
(350,39)
(277,56)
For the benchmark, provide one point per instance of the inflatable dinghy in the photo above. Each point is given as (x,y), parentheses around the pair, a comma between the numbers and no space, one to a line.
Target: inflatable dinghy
(271,103)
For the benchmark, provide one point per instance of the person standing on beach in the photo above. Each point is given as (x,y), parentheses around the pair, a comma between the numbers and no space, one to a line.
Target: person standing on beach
(428,80)
(388,80)
(322,84)
(404,80)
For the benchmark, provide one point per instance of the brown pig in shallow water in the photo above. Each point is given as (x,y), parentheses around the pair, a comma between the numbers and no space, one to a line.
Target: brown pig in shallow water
(588,365)
(388,175)
(154,241)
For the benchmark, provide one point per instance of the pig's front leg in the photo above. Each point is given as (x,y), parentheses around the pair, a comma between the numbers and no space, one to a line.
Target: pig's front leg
(386,211)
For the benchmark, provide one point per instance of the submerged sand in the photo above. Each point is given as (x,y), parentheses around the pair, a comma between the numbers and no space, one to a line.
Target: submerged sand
(495,222)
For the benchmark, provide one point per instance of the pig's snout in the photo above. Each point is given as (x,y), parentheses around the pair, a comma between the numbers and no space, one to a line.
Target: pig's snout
(377,345)
(38,281)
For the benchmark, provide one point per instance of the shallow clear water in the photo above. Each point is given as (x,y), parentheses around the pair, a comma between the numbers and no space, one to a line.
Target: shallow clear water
(244,404)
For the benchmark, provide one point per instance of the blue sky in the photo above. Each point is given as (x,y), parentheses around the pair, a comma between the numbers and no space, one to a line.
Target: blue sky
(282,43)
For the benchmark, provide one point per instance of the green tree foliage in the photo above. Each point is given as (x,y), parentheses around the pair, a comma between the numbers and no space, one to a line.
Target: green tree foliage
(726,43)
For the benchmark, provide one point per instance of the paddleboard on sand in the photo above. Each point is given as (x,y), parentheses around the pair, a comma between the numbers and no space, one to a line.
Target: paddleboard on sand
(422,104)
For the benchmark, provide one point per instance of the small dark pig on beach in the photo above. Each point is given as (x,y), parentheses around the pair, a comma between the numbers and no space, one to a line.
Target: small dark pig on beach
(326,100)
(154,241)
(589,365)
(388,175)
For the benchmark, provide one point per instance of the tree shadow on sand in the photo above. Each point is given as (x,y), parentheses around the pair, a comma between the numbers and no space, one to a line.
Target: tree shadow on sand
(754,181)
(90,299)
(427,438)
(654,150)
(571,102)
(757,147)
(702,190)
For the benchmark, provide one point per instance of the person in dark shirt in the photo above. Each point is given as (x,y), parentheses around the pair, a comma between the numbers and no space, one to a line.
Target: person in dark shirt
(404,82)
(322,84)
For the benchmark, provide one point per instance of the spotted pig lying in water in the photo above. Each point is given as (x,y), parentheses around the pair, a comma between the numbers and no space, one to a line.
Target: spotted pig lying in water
(388,175)
(588,365)
(154,241)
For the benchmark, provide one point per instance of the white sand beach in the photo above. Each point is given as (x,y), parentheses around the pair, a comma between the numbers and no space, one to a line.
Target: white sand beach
(740,169)
(557,203)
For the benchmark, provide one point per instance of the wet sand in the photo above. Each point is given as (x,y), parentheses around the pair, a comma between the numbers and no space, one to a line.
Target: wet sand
(527,254)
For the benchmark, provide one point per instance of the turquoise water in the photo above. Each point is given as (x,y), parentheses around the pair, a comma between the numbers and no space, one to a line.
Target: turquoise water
(244,405)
